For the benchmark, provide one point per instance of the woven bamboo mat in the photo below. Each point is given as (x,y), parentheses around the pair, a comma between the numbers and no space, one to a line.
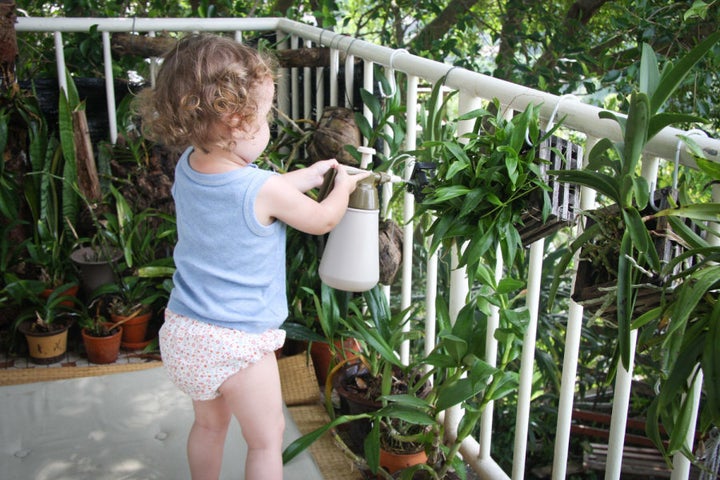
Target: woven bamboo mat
(333,464)
(302,396)
(17,376)
(297,377)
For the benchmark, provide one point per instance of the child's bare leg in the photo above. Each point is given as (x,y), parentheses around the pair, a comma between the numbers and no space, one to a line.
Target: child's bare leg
(207,438)
(254,397)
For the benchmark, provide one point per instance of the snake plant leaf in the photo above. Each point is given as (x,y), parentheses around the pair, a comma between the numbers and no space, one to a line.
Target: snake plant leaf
(673,76)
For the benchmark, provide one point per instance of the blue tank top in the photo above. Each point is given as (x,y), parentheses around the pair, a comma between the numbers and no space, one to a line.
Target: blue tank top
(230,269)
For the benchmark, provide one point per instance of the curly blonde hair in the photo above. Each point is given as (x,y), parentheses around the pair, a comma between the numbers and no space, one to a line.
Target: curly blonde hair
(206,81)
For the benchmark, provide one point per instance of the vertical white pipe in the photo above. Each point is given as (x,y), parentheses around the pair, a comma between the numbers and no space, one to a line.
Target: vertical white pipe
(430,299)
(307,86)
(283,83)
(60,61)
(527,361)
(368,81)
(349,80)
(623,379)
(618,419)
(334,69)
(681,464)
(294,83)
(623,385)
(109,88)
(491,351)
(153,63)
(570,360)
(320,92)
(408,210)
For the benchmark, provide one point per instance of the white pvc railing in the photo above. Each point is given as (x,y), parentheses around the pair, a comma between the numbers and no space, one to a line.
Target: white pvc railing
(473,88)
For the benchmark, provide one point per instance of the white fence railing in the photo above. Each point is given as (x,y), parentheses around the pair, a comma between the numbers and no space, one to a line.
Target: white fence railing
(473,88)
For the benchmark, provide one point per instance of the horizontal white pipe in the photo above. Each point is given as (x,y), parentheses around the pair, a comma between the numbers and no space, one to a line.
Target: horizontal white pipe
(137,24)
(578,116)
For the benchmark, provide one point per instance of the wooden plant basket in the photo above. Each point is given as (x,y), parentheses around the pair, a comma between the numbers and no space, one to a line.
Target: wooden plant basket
(593,287)
(555,153)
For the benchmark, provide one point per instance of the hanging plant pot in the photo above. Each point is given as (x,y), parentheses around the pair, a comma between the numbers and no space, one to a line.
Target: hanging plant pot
(596,278)
(45,347)
(554,153)
(335,130)
(95,268)
(102,350)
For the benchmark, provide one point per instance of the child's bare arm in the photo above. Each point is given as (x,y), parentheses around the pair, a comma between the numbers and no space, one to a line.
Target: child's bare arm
(305,179)
(281,198)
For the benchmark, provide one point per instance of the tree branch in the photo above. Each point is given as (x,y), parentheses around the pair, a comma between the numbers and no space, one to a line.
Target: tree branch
(441,24)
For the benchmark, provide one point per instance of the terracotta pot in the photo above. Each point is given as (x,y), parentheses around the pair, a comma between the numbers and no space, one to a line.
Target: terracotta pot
(102,349)
(46,347)
(322,356)
(394,462)
(70,292)
(135,329)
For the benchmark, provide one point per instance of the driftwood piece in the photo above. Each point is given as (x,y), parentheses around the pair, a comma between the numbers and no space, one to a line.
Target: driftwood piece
(129,44)
(88,180)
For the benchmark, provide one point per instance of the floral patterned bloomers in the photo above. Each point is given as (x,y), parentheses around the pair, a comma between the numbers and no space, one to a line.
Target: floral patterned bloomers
(199,357)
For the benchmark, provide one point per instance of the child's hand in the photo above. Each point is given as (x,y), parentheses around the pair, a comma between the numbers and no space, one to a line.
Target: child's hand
(345,180)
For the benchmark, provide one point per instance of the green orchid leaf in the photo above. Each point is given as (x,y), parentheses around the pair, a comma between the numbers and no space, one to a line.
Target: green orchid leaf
(662,120)
(649,71)
(636,131)
(711,366)
(625,301)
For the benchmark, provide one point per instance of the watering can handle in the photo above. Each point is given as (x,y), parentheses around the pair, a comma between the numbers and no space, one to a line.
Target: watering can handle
(327,185)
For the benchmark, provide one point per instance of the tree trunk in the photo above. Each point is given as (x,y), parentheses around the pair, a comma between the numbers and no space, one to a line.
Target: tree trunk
(143,46)
(8,45)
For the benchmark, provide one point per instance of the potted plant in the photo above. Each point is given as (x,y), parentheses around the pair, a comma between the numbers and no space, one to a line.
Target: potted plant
(612,171)
(486,182)
(685,326)
(453,374)
(100,337)
(43,320)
